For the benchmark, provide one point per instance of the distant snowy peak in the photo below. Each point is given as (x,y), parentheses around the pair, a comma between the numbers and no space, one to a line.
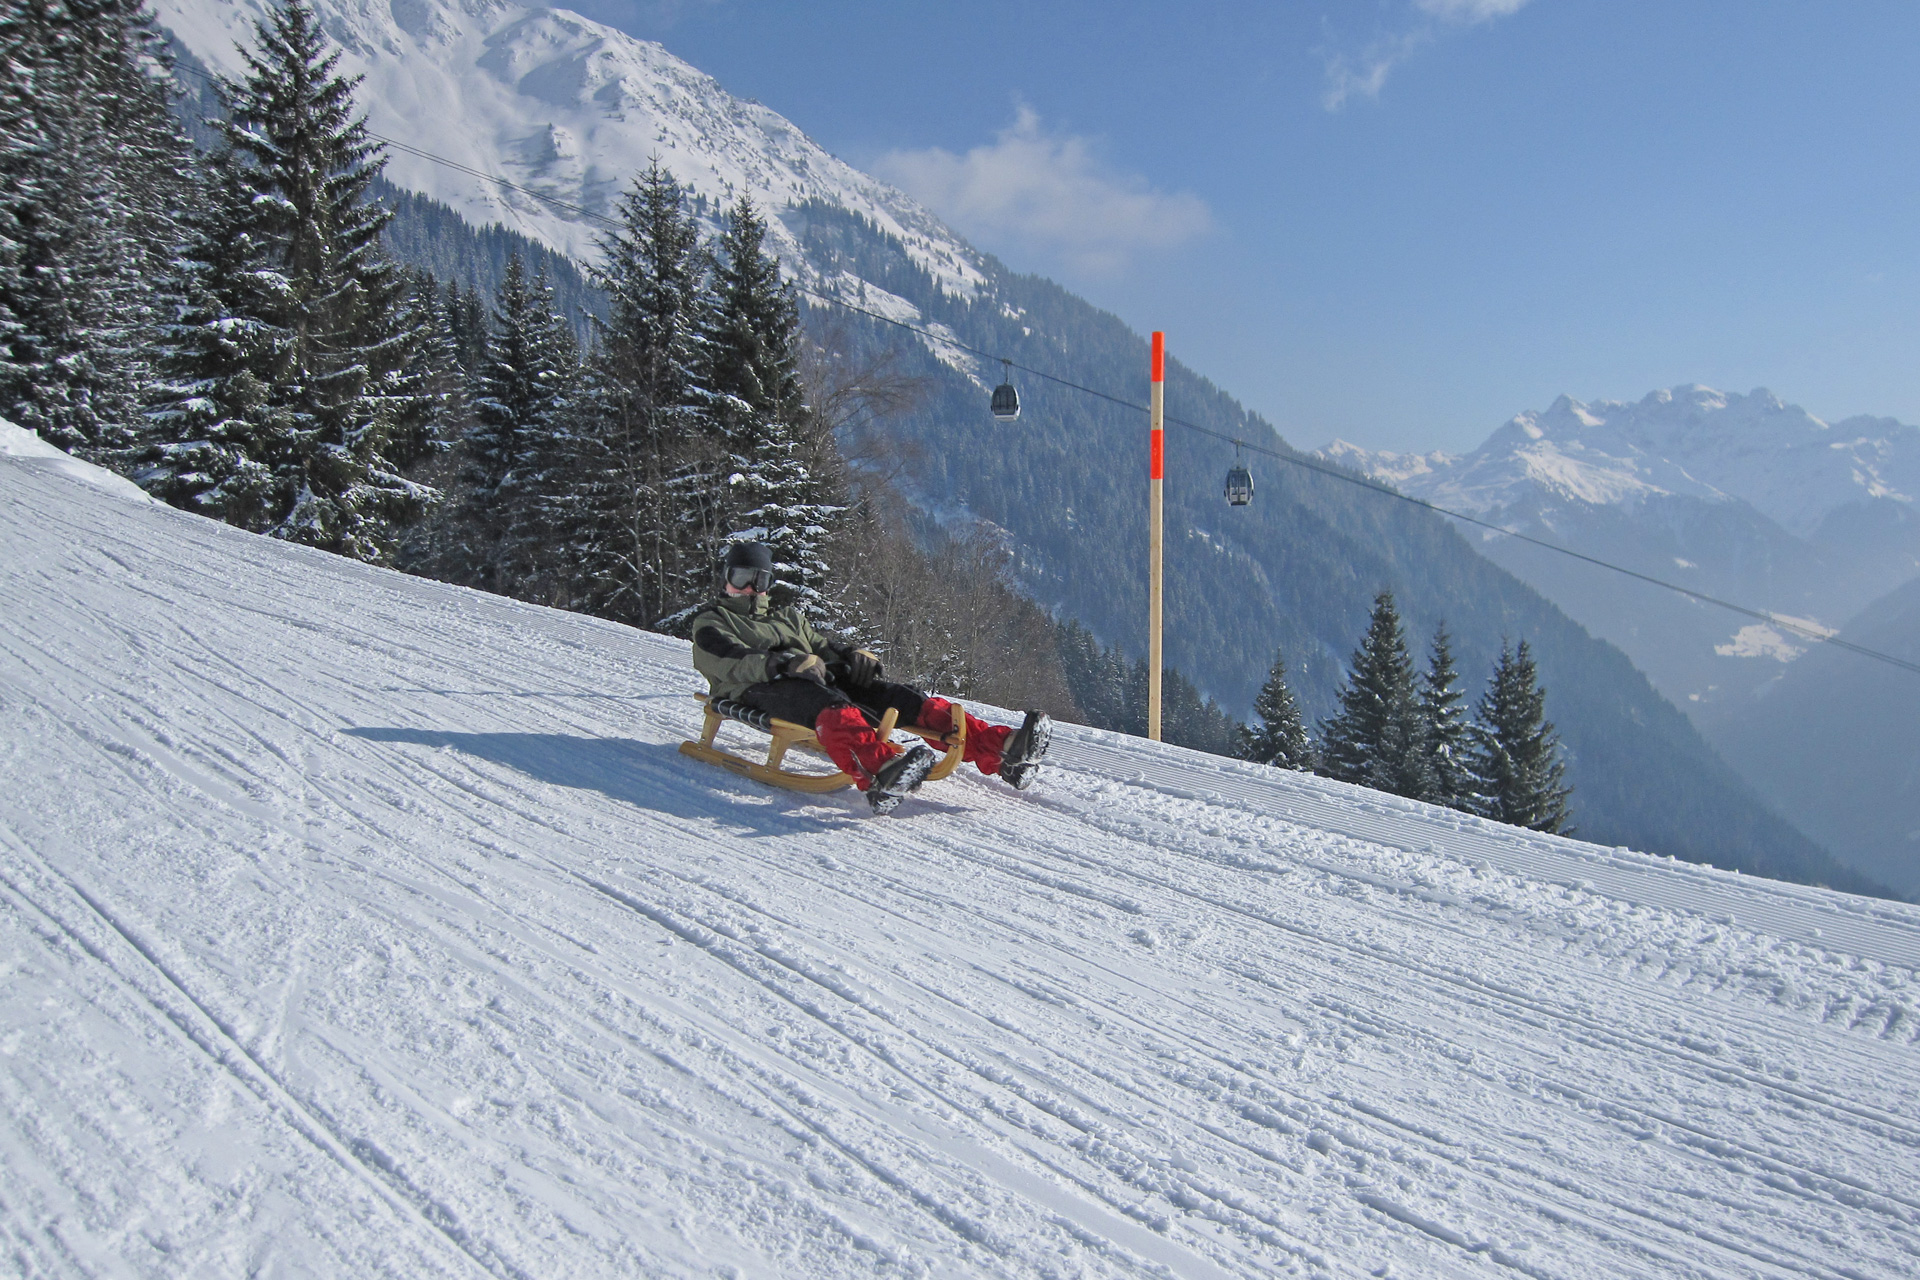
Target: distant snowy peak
(572,109)
(1689,441)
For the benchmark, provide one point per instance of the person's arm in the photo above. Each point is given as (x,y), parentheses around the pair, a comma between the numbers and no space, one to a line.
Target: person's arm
(719,655)
(856,667)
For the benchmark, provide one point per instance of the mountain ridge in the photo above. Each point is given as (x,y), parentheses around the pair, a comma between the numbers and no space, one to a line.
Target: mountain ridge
(1687,441)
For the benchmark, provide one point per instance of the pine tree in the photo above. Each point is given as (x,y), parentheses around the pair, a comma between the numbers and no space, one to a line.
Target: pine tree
(466,318)
(521,396)
(428,394)
(516,390)
(1445,738)
(635,499)
(93,170)
(294,352)
(759,408)
(1375,739)
(1281,739)
(1516,765)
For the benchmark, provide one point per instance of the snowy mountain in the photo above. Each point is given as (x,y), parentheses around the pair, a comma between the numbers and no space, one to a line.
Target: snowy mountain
(570,108)
(353,924)
(1743,497)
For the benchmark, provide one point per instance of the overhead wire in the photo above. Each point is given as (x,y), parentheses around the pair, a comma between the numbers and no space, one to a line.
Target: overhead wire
(1797,627)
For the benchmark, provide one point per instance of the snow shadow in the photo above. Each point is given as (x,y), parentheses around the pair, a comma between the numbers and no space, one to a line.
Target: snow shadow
(647,775)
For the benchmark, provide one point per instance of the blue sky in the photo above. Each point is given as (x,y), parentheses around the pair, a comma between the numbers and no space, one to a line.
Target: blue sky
(1401,221)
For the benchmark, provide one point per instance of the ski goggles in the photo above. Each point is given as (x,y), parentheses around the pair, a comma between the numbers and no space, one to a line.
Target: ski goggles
(746,577)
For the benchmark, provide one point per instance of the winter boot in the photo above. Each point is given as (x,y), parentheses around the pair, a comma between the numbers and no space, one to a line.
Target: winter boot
(1020,760)
(898,776)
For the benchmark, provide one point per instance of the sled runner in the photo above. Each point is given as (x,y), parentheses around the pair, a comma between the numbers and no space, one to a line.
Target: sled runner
(788,735)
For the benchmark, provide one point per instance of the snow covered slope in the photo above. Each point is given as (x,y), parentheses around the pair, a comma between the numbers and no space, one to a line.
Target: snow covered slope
(352,924)
(567,107)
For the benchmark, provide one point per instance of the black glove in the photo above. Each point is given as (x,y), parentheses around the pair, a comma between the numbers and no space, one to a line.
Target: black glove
(805,666)
(863,668)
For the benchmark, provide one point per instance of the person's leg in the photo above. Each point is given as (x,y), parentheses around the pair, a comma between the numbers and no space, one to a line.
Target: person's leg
(985,742)
(882,694)
(787,698)
(842,730)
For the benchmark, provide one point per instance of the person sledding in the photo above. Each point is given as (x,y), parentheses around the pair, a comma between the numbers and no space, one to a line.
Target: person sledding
(775,661)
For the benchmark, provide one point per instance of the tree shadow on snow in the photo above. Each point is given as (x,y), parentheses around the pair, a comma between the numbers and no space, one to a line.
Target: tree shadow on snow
(647,775)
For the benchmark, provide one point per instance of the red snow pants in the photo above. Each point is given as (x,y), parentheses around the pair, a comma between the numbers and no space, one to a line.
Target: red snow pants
(985,741)
(850,741)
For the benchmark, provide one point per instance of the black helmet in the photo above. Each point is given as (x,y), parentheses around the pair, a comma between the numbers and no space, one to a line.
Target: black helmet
(749,565)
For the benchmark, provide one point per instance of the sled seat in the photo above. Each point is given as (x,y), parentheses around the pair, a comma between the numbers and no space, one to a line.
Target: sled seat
(787,735)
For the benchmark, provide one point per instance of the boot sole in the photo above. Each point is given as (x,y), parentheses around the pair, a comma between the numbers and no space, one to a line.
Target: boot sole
(920,762)
(1036,745)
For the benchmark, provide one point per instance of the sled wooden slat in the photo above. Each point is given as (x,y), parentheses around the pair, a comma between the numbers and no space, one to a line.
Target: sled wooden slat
(787,735)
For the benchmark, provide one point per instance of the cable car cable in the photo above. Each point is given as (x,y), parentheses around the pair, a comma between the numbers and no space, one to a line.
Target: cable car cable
(1797,628)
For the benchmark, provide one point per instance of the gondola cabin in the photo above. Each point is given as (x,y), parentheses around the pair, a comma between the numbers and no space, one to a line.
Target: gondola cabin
(1239,486)
(1006,403)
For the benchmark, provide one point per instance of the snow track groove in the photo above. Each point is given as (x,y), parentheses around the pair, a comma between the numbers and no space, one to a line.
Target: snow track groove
(424,875)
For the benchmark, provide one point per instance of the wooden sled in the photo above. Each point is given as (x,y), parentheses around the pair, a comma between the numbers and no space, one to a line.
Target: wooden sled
(788,735)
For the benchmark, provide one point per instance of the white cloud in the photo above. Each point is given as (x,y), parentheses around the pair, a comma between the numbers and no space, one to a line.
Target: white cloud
(1048,192)
(1364,74)
(1468,11)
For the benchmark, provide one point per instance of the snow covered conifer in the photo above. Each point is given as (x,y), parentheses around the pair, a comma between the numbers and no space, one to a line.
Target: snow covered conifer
(521,393)
(1445,739)
(92,171)
(1281,739)
(1375,738)
(634,504)
(759,407)
(293,354)
(1516,763)
(517,388)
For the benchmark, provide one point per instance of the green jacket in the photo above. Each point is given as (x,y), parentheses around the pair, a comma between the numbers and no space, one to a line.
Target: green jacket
(736,638)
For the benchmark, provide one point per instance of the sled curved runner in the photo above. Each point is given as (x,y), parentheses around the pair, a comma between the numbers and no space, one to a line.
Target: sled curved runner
(788,735)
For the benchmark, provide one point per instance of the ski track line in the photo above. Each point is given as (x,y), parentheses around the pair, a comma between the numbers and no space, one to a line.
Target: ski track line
(1371,1118)
(1497,996)
(1800,1267)
(1052,883)
(1770,1159)
(206,1032)
(722,944)
(1878,931)
(1429,1035)
(1890,1125)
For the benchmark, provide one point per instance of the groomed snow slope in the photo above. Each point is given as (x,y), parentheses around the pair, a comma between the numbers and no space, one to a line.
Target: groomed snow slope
(352,924)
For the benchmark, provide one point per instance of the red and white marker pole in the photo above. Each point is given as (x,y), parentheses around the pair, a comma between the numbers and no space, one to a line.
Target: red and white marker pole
(1156,475)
